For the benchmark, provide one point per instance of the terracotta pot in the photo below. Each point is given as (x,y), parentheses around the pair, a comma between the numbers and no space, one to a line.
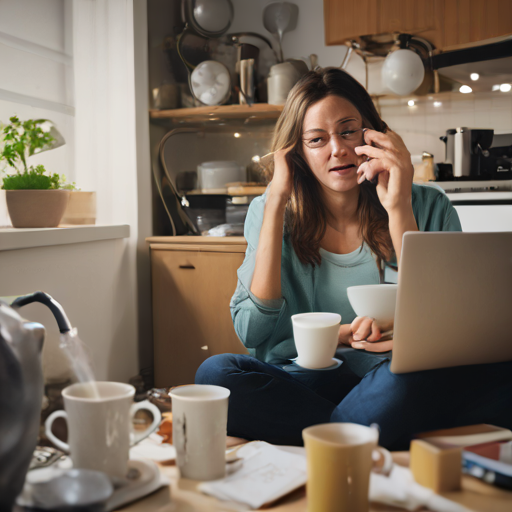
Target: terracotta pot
(81,208)
(36,208)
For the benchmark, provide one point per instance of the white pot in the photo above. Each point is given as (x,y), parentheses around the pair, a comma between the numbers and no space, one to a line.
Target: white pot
(213,176)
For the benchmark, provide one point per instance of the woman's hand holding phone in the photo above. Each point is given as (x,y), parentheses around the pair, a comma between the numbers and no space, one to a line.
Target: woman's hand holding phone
(389,162)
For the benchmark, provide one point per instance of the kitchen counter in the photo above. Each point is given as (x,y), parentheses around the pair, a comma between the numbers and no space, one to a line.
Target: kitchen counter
(488,197)
(12,238)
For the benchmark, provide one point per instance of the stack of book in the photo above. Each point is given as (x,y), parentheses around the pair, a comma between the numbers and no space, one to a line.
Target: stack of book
(486,451)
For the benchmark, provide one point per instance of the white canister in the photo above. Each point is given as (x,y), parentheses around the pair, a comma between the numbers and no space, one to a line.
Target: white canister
(281,79)
(215,175)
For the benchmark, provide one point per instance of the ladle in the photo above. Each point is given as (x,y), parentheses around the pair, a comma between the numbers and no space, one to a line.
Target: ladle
(278,18)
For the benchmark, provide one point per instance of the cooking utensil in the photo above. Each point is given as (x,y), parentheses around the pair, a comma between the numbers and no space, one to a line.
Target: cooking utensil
(278,18)
(210,82)
(209,18)
(214,176)
(282,78)
(246,96)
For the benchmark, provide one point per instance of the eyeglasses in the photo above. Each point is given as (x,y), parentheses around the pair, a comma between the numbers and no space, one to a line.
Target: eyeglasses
(352,136)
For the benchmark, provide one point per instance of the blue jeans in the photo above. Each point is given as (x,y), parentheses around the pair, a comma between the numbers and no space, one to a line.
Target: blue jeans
(275,403)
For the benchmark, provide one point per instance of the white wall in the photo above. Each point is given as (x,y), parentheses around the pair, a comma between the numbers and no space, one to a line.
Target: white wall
(95,282)
(307,38)
(144,181)
(89,280)
(36,58)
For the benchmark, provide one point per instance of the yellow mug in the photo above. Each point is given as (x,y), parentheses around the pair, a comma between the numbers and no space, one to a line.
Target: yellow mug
(339,461)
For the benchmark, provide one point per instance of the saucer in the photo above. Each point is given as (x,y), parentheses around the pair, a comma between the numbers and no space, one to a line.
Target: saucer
(146,479)
(149,479)
(336,363)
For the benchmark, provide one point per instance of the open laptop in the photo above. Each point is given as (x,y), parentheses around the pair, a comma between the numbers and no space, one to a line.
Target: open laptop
(454,302)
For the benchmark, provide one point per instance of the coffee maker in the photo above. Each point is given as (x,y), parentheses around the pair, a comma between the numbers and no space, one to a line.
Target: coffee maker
(476,154)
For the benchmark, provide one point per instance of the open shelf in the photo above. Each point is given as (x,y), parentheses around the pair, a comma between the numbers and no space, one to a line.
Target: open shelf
(256,110)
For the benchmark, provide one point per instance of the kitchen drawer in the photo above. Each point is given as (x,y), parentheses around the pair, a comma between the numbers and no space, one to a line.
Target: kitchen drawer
(192,288)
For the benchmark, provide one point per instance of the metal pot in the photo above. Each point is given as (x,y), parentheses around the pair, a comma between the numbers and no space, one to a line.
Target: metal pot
(208,18)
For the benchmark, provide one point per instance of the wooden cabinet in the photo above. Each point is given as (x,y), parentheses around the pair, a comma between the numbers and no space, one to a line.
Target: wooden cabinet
(447,24)
(469,21)
(193,279)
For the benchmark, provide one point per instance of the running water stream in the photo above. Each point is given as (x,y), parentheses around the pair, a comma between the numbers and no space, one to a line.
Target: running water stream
(76,353)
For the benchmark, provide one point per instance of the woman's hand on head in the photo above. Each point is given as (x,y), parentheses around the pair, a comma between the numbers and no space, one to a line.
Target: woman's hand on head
(363,333)
(282,181)
(389,162)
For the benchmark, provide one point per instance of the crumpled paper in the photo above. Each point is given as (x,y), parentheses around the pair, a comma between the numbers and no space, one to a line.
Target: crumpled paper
(400,490)
(267,474)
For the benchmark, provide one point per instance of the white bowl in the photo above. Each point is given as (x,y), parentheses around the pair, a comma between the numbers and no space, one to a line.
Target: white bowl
(377,301)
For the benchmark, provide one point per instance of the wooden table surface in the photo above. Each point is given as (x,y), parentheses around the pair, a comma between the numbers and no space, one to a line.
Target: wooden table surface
(182,496)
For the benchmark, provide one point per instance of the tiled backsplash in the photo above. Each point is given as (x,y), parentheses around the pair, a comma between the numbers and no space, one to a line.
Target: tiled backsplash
(422,124)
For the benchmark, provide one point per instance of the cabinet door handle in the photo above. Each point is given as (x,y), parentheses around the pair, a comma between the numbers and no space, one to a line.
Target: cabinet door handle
(188,266)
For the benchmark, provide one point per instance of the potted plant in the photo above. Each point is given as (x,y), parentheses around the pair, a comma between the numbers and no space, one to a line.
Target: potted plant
(35,198)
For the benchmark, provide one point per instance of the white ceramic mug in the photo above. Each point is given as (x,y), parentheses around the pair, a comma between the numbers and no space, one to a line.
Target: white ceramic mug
(199,429)
(99,417)
(316,338)
(339,461)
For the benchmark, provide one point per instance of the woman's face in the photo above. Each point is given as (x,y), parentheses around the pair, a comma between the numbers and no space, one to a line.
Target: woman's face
(332,129)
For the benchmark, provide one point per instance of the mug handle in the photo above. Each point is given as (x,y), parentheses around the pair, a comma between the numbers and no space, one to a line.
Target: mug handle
(48,430)
(135,437)
(387,460)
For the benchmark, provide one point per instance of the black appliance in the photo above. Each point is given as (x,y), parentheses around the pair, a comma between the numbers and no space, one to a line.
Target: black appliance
(476,154)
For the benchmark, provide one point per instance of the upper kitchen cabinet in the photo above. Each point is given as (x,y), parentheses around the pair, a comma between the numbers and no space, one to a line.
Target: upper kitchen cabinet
(447,24)
(470,21)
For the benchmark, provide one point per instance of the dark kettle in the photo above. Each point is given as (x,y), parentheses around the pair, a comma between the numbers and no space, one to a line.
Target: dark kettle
(21,391)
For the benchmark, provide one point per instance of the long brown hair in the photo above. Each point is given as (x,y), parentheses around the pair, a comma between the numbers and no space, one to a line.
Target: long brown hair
(306,215)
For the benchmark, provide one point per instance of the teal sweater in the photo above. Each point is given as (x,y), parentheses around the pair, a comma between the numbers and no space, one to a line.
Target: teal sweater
(265,327)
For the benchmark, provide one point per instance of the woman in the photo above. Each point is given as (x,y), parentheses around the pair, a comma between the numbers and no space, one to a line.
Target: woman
(340,200)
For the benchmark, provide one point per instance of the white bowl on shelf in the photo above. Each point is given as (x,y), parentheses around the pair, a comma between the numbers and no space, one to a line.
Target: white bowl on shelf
(215,175)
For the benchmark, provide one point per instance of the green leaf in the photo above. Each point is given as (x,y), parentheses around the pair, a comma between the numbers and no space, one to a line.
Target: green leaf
(21,140)
(27,181)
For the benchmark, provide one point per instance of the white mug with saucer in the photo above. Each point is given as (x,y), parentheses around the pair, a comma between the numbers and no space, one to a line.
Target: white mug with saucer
(316,338)
(99,417)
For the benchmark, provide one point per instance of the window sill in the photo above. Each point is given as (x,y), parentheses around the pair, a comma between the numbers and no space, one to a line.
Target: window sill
(12,238)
